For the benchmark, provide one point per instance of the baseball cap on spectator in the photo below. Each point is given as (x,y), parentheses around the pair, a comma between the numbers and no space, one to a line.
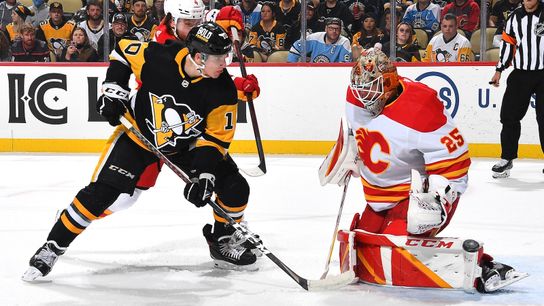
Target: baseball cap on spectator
(134,1)
(311,5)
(23,11)
(387,7)
(333,20)
(119,18)
(369,15)
(56,5)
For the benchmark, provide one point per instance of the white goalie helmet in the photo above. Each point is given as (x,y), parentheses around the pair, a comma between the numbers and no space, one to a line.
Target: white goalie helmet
(371,78)
(184,9)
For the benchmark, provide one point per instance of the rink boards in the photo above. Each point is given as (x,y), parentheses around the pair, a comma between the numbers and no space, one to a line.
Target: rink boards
(50,107)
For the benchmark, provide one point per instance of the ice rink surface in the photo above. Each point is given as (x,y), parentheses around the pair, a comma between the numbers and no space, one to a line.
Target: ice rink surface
(154,253)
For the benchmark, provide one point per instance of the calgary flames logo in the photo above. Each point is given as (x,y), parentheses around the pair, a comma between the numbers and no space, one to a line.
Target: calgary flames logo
(366,140)
(171,120)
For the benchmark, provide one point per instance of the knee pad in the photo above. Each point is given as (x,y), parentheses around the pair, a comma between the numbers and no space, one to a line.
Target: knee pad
(233,190)
(124,201)
(96,197)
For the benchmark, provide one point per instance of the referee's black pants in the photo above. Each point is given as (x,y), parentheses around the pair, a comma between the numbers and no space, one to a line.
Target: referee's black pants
(521,85)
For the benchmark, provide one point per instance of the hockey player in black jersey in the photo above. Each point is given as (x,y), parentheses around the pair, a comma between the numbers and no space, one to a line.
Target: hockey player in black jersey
(187,107)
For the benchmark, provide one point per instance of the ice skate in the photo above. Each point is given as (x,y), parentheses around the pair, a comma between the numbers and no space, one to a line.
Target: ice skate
(228,250)
(43,261)
(502,168)
(496,275)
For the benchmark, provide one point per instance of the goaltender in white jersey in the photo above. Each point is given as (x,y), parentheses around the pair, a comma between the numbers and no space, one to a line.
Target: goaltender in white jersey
(398,129)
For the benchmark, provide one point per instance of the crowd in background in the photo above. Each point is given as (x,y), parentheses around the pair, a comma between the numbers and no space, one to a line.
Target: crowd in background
(342,27)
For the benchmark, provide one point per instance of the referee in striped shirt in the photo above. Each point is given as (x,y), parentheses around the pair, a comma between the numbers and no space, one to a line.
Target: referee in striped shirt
(522,46)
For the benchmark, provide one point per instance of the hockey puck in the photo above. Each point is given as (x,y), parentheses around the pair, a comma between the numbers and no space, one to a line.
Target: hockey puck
(471,246)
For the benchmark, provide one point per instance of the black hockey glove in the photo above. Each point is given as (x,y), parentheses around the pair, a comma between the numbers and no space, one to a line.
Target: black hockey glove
(111,104)
(200,190)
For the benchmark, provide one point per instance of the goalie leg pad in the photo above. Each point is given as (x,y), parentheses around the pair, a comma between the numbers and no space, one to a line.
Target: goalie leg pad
(409,261)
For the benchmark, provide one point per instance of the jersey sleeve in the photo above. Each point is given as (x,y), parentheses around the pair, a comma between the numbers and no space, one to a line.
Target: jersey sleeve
(465,52)
(429,51)
(221,120)
(126,58)
(213,144)
(445,152)
(294,52)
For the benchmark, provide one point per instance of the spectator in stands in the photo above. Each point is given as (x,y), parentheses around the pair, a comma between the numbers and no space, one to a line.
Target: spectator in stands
(18,17)
(93,24)
(5,12)
(406,48)
(288,12)
(28,48)
(367,37)
(448,46)
(324,47)
(57,30)
(40,10)
(357,10)
(157,10)
(467,13)
(334,8)
(140,24)
(423,15)
(118,30)
(5,54)
(293,34)
(386,23)
(251,13)
(268,35)
(499,14)
(79,49)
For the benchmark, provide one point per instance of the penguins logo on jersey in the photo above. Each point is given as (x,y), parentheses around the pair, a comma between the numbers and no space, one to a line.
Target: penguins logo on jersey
(171,120)
(442,55)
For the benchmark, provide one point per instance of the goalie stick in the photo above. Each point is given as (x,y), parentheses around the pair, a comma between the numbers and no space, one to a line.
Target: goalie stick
(340,280)
(328,263)
(261,168)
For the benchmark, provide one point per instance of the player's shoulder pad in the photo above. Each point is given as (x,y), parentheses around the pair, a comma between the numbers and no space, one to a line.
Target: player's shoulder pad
(130,47)
(417,107)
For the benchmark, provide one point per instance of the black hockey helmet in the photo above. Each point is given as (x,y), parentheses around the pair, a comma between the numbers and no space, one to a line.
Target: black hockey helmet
(208,38)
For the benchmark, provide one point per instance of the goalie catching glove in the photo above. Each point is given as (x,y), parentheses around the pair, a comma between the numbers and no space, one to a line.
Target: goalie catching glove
(111,104)
(429,207)
(200,190)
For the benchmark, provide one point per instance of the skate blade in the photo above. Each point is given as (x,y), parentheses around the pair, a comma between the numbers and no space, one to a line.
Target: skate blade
(31,275)
(503,174)
(515,276)
(224,265)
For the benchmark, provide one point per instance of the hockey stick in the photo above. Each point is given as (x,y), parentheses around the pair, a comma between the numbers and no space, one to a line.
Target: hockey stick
(327,264)
(261,168)
(332,282)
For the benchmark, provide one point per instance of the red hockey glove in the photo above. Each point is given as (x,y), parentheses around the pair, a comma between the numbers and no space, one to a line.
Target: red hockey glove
(228,17)
(246,85)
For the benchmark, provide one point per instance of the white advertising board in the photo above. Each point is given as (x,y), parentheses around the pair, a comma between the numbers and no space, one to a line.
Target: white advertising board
(298,104)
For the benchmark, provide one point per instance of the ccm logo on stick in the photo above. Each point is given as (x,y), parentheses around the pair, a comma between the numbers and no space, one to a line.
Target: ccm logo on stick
(122,171)
(429,243)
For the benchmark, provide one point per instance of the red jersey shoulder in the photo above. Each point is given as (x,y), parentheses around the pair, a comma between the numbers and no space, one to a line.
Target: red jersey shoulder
(417,107)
